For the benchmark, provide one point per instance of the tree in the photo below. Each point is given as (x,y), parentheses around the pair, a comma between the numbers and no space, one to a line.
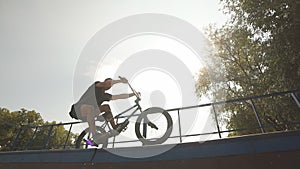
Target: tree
(257,52)
(11,122)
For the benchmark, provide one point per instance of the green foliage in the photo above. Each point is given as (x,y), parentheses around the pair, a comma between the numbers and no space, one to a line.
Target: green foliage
(257,52)
(11,122)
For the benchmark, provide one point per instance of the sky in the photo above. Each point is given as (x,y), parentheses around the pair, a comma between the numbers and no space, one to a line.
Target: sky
(42,40)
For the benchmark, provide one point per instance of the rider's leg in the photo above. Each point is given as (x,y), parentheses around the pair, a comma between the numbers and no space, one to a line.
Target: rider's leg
(87,111)
(108,115)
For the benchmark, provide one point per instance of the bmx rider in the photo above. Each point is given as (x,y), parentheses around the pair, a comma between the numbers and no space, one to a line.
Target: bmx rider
(90,104)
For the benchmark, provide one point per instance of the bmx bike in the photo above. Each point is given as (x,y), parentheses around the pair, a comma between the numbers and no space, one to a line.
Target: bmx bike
(152,126)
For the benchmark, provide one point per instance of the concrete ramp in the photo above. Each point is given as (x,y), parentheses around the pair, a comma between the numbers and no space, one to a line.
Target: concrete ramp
(273,150)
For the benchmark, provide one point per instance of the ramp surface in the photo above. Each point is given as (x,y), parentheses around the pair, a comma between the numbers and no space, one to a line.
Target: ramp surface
(273,150)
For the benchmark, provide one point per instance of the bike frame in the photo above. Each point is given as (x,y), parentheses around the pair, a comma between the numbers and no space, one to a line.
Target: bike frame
(137,106)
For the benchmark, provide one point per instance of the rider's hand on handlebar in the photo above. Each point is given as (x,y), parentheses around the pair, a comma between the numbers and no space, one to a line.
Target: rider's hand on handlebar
(137,94)
(123,80)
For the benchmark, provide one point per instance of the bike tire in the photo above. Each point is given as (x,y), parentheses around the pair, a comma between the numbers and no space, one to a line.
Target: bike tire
(80,140)
(162,138)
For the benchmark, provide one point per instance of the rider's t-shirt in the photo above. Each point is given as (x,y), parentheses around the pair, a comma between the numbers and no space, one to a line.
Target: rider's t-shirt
(94,96)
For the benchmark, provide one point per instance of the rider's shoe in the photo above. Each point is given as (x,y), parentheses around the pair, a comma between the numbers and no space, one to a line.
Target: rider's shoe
(121,126)
(99,138)
(90,142)
(102,138)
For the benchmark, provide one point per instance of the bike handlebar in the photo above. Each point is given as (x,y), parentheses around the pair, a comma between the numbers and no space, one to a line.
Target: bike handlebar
(134,92)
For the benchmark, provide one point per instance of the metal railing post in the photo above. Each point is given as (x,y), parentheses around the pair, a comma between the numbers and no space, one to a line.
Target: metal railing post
(114,139)
(48,137)
(216,119)
(68,136)
(296,98)
(144,129)
(179,126)
(32,138)
(257,116)
(16,139)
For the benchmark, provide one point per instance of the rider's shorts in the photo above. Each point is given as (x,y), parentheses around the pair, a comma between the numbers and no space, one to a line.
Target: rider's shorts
(76,113)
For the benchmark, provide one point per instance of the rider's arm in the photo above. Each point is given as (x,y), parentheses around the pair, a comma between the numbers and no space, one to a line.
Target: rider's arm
(121,96)
(111,82)
(121,80)
(118,81)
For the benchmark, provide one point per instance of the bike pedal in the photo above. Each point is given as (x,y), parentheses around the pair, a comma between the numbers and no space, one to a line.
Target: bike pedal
(152,125)
(126,123)
(122,126)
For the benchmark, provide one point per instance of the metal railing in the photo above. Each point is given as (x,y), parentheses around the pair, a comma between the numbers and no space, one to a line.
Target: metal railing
(250,100)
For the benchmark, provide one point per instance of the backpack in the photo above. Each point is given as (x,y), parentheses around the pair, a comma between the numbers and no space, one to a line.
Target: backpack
(72,112)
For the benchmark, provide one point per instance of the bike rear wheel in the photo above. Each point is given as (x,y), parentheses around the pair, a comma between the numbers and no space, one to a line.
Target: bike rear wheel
(153,126)
(85,140)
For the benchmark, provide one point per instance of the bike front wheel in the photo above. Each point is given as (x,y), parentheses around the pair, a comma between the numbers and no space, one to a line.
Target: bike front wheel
(153,126)
(85,140)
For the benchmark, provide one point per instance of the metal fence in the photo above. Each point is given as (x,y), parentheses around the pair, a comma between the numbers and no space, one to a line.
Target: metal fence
(176,112)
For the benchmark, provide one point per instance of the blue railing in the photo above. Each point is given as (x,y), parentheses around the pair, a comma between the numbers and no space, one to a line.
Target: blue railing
(249,100)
